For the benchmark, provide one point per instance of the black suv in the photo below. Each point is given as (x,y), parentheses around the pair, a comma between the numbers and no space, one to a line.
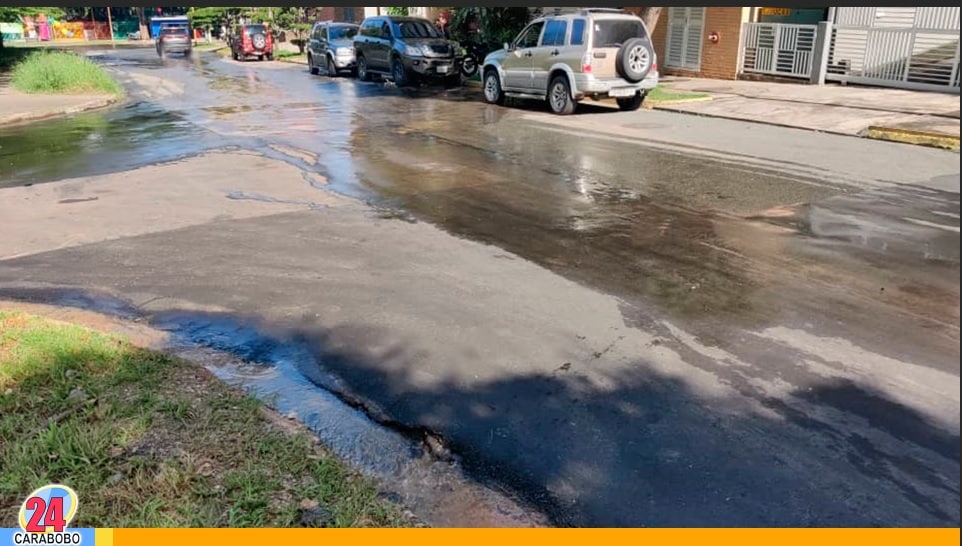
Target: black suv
(406,48)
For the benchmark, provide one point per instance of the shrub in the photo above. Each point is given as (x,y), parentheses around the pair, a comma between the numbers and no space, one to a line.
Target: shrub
(61,72)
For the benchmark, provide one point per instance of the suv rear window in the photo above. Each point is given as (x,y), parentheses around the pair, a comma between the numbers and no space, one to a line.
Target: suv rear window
(256,29)
(614,32)
(173,31)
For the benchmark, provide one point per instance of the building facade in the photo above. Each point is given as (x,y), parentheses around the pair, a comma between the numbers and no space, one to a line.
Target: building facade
(907,47)
(700,41)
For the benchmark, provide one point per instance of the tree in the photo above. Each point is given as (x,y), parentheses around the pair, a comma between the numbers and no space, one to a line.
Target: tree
(211,17)
(8,14)
(398,11)
(142,19)
(495,26)
(649,16)
(295,20)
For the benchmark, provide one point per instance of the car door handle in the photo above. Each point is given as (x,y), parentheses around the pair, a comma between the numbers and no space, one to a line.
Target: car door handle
(527,53)
(555,52)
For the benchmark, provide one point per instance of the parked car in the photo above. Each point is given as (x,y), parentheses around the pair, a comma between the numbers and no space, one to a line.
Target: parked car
(406,49)
(248,41)
(564,58)
(331,46)
(173,39)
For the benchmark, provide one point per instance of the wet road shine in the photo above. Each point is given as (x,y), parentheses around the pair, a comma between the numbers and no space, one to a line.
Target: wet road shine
(621,327)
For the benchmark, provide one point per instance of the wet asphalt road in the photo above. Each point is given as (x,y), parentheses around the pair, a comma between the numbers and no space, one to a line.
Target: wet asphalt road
(730,326)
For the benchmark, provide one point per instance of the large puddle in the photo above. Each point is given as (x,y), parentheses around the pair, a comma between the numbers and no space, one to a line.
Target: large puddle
(97,143)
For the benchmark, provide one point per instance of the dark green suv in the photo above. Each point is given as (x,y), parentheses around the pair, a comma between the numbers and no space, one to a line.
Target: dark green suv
(406,49)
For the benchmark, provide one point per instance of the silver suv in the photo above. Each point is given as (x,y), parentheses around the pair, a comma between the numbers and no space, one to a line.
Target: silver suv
(564,58)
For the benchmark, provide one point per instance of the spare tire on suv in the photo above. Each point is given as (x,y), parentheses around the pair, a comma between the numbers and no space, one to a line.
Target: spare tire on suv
(634,59)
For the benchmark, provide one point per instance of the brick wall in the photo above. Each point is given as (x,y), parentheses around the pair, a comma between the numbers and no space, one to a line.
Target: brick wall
(325,14)
(340,15)
(720,60)
(717,60)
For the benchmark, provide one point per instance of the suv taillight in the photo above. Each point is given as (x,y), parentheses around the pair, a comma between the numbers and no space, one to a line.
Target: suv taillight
(586,62)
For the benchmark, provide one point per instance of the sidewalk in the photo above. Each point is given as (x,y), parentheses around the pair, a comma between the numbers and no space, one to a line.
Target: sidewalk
(17,107)
(892,114)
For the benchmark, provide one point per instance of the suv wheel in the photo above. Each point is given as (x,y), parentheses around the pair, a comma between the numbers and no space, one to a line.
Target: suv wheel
(310,65)
(559,96)
(362,73)
(331,68)
(630,104)
(492,87)
(398,73)
(634,60)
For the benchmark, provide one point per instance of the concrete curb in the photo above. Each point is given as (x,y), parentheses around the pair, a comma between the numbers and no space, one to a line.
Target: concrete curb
(209,50)
(905,136)
(29,117)
(909,136)
(291,61)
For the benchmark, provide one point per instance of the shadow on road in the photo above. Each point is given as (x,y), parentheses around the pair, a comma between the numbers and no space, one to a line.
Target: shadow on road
(643,447)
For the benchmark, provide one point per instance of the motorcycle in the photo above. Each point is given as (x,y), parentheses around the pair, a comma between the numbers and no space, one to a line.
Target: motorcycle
(474,55)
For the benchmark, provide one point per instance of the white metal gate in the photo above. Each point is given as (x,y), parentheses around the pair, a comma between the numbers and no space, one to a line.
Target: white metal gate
(910,48)
(685,29)
(778,49)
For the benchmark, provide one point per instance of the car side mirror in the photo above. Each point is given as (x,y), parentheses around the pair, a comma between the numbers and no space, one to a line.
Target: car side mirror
(507,46)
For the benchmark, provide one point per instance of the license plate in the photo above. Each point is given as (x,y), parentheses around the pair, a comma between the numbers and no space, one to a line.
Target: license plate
(622,92)
(443,69)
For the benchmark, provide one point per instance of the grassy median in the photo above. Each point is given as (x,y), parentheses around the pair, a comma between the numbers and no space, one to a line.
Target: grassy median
(61,72)
(148,440)
(661,94)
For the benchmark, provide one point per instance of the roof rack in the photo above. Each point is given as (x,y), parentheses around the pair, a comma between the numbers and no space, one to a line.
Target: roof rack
(586,11)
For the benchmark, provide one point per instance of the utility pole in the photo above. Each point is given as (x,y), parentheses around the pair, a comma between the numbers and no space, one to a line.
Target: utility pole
(110,25)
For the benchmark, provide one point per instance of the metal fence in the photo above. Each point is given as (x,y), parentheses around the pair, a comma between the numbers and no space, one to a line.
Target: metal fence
(911,48)
(778,49)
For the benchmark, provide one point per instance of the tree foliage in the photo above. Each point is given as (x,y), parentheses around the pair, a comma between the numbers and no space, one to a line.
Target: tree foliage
(494,25)
(398,11)
(296,20)
(11,14)
(211,17)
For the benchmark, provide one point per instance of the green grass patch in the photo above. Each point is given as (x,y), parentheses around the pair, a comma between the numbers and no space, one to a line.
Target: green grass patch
(661,94)
(61,72)
(148,440)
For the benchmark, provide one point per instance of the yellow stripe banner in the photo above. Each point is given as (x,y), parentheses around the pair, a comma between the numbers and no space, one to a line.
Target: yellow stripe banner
(556,537)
